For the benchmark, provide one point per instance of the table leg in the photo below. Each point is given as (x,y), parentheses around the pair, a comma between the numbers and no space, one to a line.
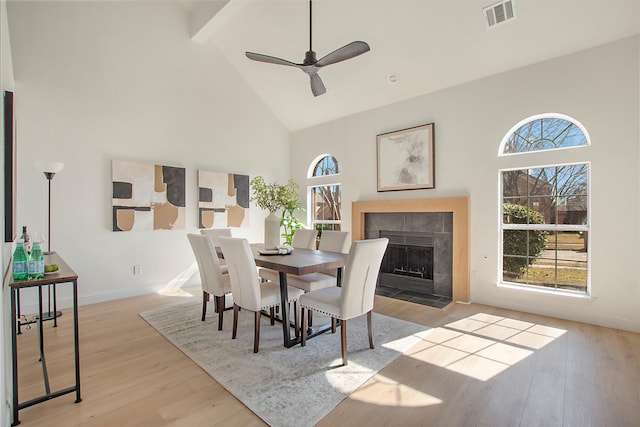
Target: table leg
(284,296)
(14,356)
(18,302)
(76,339)
(43,361)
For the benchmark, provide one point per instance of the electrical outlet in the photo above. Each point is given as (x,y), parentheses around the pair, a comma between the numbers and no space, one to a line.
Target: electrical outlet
(137,270)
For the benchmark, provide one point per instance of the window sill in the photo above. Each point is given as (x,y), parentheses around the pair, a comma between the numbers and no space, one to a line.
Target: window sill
(546,291)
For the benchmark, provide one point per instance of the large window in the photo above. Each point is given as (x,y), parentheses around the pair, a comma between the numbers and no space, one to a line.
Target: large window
(325,197)
(545,209)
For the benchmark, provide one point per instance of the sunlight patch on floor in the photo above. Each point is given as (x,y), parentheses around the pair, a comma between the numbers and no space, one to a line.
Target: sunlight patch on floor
(483,345)
(381,390)
(174,286)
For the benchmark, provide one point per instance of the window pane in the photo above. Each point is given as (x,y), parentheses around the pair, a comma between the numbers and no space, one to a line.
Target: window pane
(544,134)
(326,203)
(514,183)
(328,165)
(556,260)
(542,181)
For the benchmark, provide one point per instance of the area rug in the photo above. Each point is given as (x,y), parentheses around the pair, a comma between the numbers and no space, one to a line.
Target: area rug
(295,386)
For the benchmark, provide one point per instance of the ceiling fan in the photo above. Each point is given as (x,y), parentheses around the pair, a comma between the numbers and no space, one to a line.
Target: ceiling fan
(311,65)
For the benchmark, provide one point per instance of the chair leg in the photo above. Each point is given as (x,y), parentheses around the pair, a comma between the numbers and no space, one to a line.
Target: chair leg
(295,319)
(343,341)
(256,332)
(235,320)
(310,315)
(205,299)
(333,325)
(220,307)
(272,317)
(369,328)
(303,339)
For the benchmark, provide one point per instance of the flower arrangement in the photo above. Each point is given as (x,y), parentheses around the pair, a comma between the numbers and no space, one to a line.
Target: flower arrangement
(273,196)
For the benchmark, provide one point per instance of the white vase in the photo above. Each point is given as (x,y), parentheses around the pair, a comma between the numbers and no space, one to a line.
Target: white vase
(272,231)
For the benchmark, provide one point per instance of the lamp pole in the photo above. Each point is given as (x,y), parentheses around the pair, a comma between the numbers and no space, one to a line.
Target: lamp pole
(49,176)
(49,169)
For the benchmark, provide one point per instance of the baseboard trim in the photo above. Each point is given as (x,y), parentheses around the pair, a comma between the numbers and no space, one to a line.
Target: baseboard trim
(558,312)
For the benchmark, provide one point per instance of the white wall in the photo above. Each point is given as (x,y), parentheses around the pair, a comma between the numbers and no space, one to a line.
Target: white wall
(6,84)
(98,81)
(598,87)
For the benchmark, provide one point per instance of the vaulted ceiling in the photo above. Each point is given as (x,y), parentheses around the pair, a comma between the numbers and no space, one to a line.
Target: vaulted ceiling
(428,45)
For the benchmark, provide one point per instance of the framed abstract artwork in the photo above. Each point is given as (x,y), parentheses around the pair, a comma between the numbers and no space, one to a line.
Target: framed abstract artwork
(147,196)
(406,159)
(223,200)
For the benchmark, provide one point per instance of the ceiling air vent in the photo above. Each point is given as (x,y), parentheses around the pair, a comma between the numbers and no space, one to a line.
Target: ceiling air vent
(499,12)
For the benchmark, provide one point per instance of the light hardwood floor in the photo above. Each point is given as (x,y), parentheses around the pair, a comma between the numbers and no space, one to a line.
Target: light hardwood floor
(480,366)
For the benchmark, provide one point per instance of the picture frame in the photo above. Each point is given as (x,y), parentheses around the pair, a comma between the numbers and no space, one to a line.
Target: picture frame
(406,159)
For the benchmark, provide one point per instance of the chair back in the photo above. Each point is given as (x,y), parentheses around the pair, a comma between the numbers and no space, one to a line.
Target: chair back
(305,238)
(334,241)
(361,276)
(208,264)
(245,284)
(214,233)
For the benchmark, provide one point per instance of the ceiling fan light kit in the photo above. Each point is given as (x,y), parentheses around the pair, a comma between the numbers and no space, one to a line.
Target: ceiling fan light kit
(311,65)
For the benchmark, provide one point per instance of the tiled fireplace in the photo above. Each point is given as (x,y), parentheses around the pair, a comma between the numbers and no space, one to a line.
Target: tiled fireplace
(427,259)
(417,265)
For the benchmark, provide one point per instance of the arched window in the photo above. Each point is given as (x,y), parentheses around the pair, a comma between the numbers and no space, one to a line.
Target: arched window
(325,198)
(544,132)
(327,165)
(545,209)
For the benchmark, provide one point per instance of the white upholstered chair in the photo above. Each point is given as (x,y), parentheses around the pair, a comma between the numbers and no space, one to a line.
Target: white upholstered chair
(303,239)
(356,295)
(214,279)
(214,234)
(248,293)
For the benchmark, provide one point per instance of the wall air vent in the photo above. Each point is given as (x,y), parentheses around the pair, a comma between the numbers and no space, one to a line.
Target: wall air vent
(499,13)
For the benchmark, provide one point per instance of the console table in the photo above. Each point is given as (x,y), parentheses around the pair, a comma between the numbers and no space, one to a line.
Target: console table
(64,275)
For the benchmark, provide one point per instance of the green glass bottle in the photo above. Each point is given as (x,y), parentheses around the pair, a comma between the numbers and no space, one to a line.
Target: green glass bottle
(36,262)
(19,262)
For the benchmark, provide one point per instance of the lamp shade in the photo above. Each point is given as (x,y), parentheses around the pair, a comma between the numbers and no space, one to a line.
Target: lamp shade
(49,167)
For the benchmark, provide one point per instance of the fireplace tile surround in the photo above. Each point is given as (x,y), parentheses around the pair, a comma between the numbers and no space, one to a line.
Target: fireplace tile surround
(436,292)
(453,215)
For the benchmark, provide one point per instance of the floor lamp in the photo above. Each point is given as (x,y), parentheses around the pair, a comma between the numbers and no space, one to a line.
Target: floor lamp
(50,169)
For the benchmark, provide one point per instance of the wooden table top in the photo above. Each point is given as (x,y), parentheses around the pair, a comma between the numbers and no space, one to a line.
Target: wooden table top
(64,273)
(300,261)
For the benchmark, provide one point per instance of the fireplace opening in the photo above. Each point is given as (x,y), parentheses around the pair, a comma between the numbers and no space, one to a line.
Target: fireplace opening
(408,261)
(417,264)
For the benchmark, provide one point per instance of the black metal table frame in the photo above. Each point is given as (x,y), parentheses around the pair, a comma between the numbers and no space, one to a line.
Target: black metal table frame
(286,323)
(14,354)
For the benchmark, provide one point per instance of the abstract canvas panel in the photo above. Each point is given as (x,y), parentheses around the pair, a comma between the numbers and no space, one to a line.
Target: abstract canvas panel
(223,200)
(148,196)
(406,159)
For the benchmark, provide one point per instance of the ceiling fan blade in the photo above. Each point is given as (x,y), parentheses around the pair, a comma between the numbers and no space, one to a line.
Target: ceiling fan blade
(349,51)
(317,87)
(270,59)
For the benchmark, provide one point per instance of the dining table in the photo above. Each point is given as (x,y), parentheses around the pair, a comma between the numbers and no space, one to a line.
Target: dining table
(299,262)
